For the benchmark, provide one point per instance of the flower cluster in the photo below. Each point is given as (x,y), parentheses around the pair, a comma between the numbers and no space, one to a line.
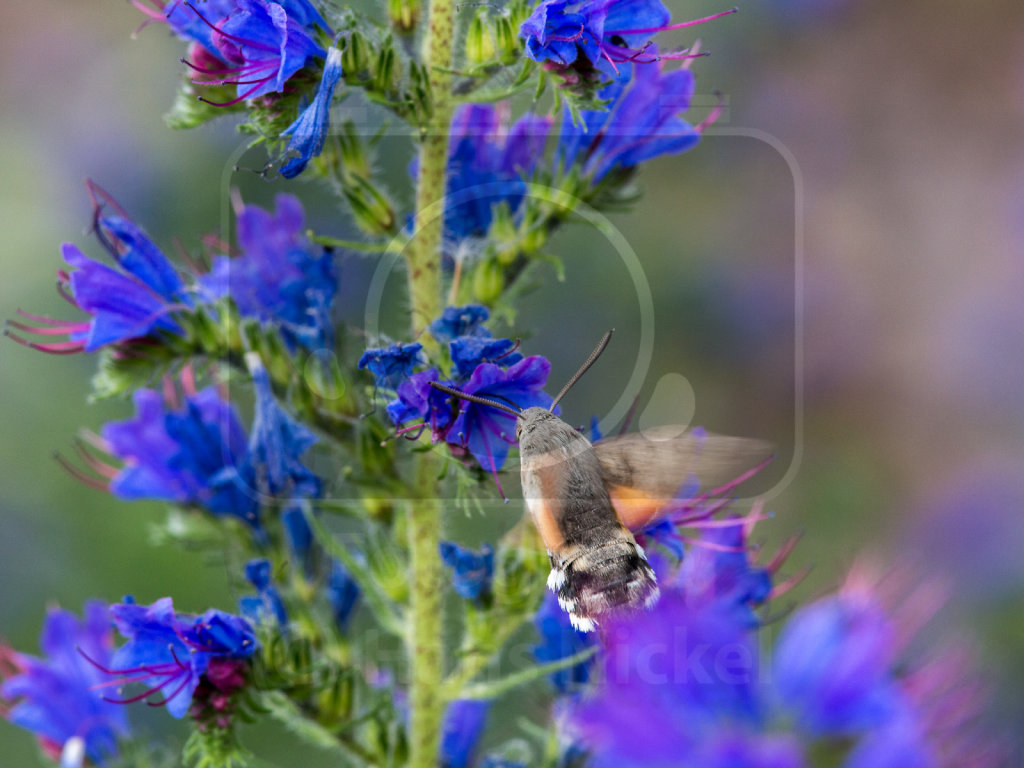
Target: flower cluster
(688,674)
(480,365)
(171,654)
(59,697)
(574,38)
(143,298)
(196,452)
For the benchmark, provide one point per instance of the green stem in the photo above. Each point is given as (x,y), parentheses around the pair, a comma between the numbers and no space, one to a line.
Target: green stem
(423,256)
(424,251)
(425,643)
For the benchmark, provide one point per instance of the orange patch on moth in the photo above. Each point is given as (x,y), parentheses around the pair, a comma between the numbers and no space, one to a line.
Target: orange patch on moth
(546,523)
(635,508)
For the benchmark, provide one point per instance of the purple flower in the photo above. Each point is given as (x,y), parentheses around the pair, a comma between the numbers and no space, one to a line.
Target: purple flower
(267,603)
(488,432)
(468,352)
(739,748)
(472,572)
(488,163)
(280,278)
(169,653)
(342,593)
(583,35)
(833,665)
(560,640)
(57,697)
(310,128)
(461,729)
(392,365)
(674,675)
(130,301)
(640,123)
(418,400)
(255,45)
(460,321)
(187,454)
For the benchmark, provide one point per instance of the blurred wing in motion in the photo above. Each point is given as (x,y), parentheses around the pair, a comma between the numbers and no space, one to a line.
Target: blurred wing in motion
(644,471)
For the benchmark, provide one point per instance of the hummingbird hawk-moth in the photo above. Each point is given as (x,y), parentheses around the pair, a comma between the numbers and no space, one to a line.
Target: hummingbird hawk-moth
(585,498)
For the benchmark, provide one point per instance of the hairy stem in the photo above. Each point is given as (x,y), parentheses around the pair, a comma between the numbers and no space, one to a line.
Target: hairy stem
(423,256)
(424,251)
(426,649)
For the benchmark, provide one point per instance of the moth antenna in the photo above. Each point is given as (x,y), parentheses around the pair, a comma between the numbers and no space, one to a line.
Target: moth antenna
(475,399)
(583,368)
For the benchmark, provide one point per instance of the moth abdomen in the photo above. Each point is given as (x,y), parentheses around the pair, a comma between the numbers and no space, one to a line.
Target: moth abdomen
(611,577)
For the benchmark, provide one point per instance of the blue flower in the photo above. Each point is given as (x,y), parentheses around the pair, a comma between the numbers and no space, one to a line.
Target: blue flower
(468,352)
(460,321)
(298,536)
(607,35)
(833,666)
(488,164)
(134,300)
(268,602)
(310,128)
(560,640)
(472,572)
(277,441)
(343,595)
(461,729)
(298,298)
(255,45)
(57,697)
(392,365)
(418,400)
(640,123)
(186,455)
(169,653)
(488,432)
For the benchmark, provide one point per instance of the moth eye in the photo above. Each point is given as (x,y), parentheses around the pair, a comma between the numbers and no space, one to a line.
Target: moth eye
(618,41)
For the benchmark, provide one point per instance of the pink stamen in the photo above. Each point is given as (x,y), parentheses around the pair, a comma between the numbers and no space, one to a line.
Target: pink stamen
(59,330)
(39,318)
(167,698)
(563,39)
(97,193)
(63,291)
(742,478)
(494,471)
(80,476)
(783,554)
(787,585)
(169,392)
(243,97)
(681,25)
(53,348)
(222,33)
(94,463)
(712,117)
(711,545)
(188,380)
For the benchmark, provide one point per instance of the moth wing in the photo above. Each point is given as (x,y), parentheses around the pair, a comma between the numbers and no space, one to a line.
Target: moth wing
(645,470)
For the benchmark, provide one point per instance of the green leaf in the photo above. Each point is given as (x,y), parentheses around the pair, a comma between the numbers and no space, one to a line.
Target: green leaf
(376,599)
(494,688)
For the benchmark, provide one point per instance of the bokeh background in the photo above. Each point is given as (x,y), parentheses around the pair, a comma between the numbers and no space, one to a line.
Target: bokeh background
(838,268)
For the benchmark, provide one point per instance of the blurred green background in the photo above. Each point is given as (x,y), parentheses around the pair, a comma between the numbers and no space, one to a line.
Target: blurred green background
(885,358)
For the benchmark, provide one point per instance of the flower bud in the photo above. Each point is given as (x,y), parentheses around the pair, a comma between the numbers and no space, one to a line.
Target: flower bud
(371,210)
(479,40)
(404,14)
(488,281)
(509,44)
(354,57)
